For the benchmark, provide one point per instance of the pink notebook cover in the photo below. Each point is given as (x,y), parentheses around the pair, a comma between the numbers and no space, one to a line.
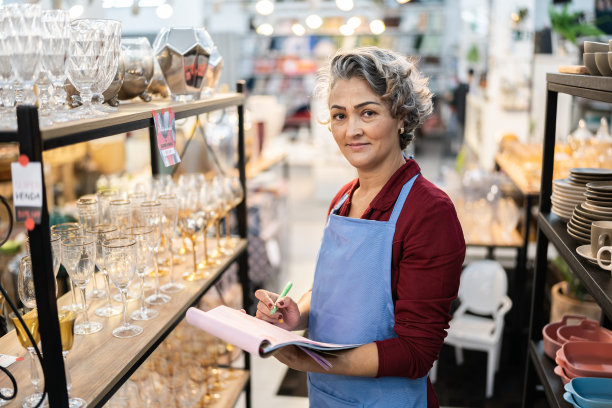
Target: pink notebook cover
(251,334)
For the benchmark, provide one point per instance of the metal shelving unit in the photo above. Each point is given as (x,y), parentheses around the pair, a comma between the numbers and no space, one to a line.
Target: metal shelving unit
(33,140)
(551,230)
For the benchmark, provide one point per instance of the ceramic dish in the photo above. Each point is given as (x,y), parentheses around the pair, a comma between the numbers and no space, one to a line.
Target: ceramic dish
(597,196)
(581,235)
(587,358)
(591,172)
(588,214)
(601,60)
(591,392)
(603,204)
(549,333)
(579,228)
(580,239)
(596,210)
(585,252)
(595,46)
(563,200)
(579,221)
(561,214)
(567,185)
(603,186)
(561,373)
(587,330)
(568,396)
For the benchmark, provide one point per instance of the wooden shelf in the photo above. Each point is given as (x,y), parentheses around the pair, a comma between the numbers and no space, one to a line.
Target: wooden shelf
(234,387)
(130,116)
(598,88)
(553,387)
(517,175)
(99,363)
(516,241)
(262,164)
(597,281)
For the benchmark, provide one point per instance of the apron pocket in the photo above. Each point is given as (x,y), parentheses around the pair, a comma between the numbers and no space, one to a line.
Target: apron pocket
(321,399)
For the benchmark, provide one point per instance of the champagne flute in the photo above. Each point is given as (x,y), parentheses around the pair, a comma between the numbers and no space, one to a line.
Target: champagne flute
(31,321)
(151,215)
(56,255)
(142,235)
(25,283)
(119,258)
(67,230)
(101,233)
(120,213)
(66,322)
(190,223)
(210,207)
(223,206)
(136,198)
(88,217)
(78,255)
(105,196)
(170,220)
(237,196)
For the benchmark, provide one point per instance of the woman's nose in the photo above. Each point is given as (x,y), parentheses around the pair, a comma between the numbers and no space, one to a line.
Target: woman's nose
(354,127)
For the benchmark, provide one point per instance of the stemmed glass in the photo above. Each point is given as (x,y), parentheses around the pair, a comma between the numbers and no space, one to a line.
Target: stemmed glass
(191,223)
(169,222)
(65,231)
(189,381)
(224,206)
(210,208)
(136,198)
(56,40)
(31,320)
(101,233)
(151,214)
(104,198)
(237,195)
(109,62)
(88,217)
(7,77)
(66,322)
(142,235)
(119,257)
(120,213)
(78,256)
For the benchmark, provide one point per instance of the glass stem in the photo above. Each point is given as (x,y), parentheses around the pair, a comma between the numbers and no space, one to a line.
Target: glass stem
(205,248)
(155,261)
(219,235)
(84,296)
(95,282)
(124,304)
(227,228)
(68,377)
(107,285)
(34,377)
(142,294)
(74,301)
(171,255)
(193,249)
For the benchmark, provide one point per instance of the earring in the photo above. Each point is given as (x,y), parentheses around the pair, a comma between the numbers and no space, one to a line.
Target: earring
(401,131)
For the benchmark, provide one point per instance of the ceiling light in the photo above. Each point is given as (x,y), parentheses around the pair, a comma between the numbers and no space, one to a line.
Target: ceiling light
(164,11)
(403,1)
(377,26)
(313,21)
(345,29)
(354,22)
(264,7)
(76,11)
(298,29)
(345,5)
(265,29)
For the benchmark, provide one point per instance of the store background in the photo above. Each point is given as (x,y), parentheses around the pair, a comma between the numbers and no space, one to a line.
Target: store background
(506,43)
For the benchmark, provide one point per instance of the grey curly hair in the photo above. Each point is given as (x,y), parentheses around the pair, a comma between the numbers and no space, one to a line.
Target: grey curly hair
(390,75)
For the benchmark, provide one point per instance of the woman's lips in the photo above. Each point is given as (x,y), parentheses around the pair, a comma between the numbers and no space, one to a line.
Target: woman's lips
(357,146)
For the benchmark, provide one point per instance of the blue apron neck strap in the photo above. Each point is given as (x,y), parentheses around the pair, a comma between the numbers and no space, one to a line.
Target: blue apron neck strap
(339,203)
(407,156)
(399,204)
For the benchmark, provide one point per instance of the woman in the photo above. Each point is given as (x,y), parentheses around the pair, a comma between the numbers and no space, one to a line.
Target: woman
(389,263)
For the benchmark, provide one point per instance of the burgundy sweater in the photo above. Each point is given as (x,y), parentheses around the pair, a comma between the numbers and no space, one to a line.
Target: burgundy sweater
(428,252)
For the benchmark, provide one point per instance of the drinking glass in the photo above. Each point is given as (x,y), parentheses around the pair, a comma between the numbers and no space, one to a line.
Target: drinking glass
(101,233)
(31,321)
(85,50)
(56,40)
(25,283)
(151,215)
(104,198)
(120,213)
(109,61)
(88,217)
(188,380)
(237,194)
(66,322)
(142,235)
(191,223)
(56,255)
(25,38)
(67,230)
(7,77)
(136,198)
(169,222)
(79,256)
(210,209)
(120,257)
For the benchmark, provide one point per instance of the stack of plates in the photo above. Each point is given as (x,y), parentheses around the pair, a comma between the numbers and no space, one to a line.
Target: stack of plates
(596,207)
(566,195)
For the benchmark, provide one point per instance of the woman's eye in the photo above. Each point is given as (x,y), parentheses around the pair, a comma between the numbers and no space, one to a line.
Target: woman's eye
(338,116)
(369,113)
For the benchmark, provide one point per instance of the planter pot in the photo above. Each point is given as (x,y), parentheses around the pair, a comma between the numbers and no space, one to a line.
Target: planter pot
(561,304)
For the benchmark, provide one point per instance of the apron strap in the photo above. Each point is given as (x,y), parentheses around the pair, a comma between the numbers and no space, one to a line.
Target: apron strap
(339,204)
(399,204)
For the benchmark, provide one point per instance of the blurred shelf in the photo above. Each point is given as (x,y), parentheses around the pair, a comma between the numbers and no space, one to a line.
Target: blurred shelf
(518,176)
(515,241)
(234,386)
(253,168)
(553,387)
(598,88)
(100,363)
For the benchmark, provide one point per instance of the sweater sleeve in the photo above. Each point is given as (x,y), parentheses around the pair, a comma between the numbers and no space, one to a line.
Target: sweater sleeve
(432,253)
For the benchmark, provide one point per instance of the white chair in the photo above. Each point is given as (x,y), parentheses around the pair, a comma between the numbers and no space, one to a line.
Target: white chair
(482,291)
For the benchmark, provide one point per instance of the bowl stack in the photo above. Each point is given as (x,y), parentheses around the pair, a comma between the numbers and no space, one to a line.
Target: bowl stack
(566,195)
(589,392)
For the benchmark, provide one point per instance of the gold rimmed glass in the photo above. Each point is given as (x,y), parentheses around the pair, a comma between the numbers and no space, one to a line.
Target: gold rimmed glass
(66,322)
(105,196)
(221,203)
(31,321)
(142,235)
(101,233)
(210,211)
(78,256)
(151,215)
(120,211)
(87,207)
(191,224)
(170,210)
(65,231)
(237,195)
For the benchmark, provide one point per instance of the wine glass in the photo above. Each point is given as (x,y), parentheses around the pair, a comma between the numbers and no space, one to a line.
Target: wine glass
(237,195)
(101,233)
(188,381)
(105,196)
(25,283)
(56,40)
(191,223)
(210,209)
(66,323)
(169,222)
(7,77)
(109,61)
(119,257)
(31,321)
(136,198)
(151,215)
(66,230)
(120,213)
(79,256)
(88,217)
(142,235)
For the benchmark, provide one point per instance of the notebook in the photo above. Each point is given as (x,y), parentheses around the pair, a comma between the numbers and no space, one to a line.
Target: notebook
(257,336)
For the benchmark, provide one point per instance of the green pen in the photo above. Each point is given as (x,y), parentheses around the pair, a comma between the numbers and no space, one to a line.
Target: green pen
(283,293)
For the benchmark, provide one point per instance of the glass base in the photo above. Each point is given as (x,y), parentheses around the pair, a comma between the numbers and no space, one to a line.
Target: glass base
(127,331)
(32,400)
(73,307)
(144,314)
(87,328)
(157,299)
(96,294)
(195,276)
(161,271)
(211,263)
(108,311)
(7,392)
(172,287)
(131,297)
(87,112)
(77,403)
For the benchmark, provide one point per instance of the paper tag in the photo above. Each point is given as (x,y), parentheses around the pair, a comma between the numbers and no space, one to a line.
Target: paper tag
(27,191)
(166,136)
(6,360)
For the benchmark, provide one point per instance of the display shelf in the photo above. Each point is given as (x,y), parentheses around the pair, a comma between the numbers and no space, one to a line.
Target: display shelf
(518,176)
(99,363)
(553,387)
(515,241)
(598,88)
(234,387)
(129,117)
(262,164)
(597,281)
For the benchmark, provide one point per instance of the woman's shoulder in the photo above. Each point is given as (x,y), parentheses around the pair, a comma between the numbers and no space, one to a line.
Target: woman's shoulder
(429,195)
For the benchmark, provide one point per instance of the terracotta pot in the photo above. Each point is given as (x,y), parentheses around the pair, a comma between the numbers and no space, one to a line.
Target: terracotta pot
(562,304)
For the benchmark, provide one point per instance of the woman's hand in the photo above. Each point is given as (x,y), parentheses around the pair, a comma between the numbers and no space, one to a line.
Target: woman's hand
(287,315)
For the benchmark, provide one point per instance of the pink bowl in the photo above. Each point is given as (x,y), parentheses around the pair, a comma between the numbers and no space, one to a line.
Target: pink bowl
(549,334)
(587,330)
(561,373)
(587,358)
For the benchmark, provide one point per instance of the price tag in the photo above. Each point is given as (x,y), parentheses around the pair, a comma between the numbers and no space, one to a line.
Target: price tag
(6,360)
(27,191)
(166,136)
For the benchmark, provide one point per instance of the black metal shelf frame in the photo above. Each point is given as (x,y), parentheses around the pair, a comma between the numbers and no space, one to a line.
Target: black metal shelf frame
(28,135)
(552,230)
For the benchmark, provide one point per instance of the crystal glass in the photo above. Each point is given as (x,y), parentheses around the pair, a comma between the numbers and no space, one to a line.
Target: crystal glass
(136,198)
(169,222)
(101,233)
(109,61)
(211,213)
(25,283)
(237,192)
(191,223)
(120,213)
(188,382)
(66,322)
(85,51)
(26,41)
(120,260)
(67,230)
(79,256)
(104,198)
(88,217)
(224,200)
(143,236)
(31,321)
(151,215)
(56,40)
(7,77)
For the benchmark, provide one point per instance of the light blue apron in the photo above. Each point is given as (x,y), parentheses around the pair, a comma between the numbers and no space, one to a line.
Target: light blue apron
(352,303)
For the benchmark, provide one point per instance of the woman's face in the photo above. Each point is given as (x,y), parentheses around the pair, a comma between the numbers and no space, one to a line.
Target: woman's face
(362,125)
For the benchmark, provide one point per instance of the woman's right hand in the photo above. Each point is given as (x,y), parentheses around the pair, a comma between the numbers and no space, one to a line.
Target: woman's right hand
(287,315)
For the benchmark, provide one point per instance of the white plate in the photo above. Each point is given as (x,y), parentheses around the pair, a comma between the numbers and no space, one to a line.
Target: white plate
(602,186)
(561,214)
(602,204)
(581,223)
(566,196)
(567,185)
(579,228)
(585,252)
(597,210)
(590,215)
(578,238)
(589,171)
(568,211)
